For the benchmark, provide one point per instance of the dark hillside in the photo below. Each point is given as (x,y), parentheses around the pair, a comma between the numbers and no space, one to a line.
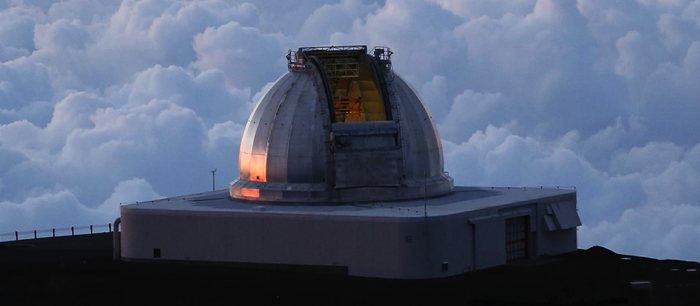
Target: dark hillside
(80,269)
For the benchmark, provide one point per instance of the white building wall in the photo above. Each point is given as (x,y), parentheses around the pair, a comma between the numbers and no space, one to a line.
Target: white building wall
(448,241)
(386,247)
(561,236)
(490,243)
(376,247)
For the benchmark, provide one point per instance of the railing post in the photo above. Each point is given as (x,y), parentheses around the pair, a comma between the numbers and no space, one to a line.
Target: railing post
(116,240)
(53,231)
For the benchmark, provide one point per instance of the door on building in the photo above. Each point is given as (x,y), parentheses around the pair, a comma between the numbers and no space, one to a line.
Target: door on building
(517,234)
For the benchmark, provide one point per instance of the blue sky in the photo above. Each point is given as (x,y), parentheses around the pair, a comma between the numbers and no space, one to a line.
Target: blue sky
(103,102)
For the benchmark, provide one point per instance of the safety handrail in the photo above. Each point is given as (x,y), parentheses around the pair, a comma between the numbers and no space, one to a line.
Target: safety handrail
(56,232)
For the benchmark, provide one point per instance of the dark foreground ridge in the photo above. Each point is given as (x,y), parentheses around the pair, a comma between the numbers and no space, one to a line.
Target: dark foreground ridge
(80,269)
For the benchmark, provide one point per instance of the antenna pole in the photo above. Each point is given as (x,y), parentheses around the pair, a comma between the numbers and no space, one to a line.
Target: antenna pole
(213,180)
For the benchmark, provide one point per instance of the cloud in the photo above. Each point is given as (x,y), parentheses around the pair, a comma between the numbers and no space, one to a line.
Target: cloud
(634,59)
(84,11)
(129,191)
(434,94)
(408,28)
(23,82)
(669,98)
(652,158)
(207,94)
(662,232)
(489,8)
(136,36)
(469,112)
(329,19)
(104,102)
(676,184)
(62,35)
(8,53)
(245,55)
(17,29)
(59,207)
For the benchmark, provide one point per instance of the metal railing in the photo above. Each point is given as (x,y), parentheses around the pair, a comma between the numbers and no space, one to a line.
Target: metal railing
(356,48)
(295,60)
(531,187)
(56,232)
(382,53)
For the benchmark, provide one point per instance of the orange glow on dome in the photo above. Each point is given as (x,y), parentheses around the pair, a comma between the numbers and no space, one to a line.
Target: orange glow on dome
(258,168)
(250,192)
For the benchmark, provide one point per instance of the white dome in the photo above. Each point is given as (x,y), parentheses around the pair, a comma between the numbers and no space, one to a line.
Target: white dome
(339,127)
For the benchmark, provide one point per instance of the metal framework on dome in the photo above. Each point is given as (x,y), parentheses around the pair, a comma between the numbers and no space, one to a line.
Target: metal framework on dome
(339,61)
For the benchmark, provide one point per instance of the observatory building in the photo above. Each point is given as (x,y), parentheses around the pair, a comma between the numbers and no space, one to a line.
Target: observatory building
(341,170)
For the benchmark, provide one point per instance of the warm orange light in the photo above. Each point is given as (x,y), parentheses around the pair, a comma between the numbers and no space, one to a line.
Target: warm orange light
(244,155)
(244,165)
(258,168)
(250,192)
(348,110)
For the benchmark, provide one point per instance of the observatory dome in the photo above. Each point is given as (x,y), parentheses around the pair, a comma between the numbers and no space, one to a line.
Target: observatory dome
(338,127)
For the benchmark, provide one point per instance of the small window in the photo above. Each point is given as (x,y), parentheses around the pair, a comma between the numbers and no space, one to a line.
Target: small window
(445,266)
(156,253)
(517,233)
